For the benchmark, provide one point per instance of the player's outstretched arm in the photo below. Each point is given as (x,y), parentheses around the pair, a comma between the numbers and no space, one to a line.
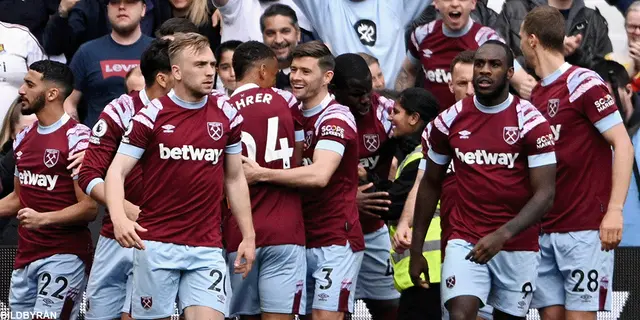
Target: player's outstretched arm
(426,202)
(99,194)
(10,204)
(407,76)
(611,226)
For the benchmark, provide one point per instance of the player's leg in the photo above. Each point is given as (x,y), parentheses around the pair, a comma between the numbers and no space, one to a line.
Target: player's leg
(550,300)
(156,276)
(204,285)
(24,289)
(245,300)
(107,285)
(465,285)
(375,279)
(336,277)
(485,313)
(310,283)
(62,281)
(281,282)
(514,275)
(588,273)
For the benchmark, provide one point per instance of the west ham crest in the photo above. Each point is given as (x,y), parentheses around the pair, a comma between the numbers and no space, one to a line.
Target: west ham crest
(371,142)
(51,157)
(451,282)
(553,106)
(308,138)
(215,130)
(146,302)
(510,134)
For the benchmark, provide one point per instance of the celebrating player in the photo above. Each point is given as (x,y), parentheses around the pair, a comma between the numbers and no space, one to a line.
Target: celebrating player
(505,178)
(585,222)
(352,84)
(188,144)
(54,246)
(275,286)
(329,179)
(110,280)
(435,44)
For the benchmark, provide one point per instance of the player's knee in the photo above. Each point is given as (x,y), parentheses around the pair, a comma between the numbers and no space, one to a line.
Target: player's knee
(552,313)
(462,314)
(327,315)
(580,315)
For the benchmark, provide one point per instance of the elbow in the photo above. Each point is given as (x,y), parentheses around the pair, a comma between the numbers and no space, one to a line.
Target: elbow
(91,210)
(320,181)
(548,198)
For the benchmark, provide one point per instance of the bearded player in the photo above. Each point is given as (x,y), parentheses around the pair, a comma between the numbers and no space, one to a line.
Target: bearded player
(503,155)
(585,223)
(54,243)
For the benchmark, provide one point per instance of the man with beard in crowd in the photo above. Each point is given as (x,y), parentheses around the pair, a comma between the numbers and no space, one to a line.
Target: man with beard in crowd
(280,31)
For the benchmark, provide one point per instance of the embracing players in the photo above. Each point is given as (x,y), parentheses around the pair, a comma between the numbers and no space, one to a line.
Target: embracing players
(275,285)
(503,154)
(54,246)
(188,145)
(585,223)
(328,182)
(109,287)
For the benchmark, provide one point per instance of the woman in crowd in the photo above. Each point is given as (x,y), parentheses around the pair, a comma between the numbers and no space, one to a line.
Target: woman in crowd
(224,67)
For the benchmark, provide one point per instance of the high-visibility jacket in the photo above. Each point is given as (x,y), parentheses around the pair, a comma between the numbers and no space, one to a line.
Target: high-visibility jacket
(430,249)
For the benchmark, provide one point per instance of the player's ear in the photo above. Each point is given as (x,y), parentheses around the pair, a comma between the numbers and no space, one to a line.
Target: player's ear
(510,73)
(175,70)
(328,76)
(450,83)
(52,94)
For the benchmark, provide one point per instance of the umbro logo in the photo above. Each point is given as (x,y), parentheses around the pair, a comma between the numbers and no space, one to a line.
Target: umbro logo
(464,134)
(168,128)
(18,155)
(427,53)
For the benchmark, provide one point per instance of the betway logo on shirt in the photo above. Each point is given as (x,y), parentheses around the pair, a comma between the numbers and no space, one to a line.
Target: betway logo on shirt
(438,75)
(369,162)
(190,153)
(27,178)
(482,157)
(117,68)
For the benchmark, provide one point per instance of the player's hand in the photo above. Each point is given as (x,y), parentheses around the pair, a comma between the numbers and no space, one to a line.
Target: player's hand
(131,210)
(251,170)
(418,266)
(76,162)
(216,19)
(401,240)
(362,173)
(371,201)
(525,88)
(487,247)
(571,44)
(244,258)
(125,232)
(32,219)
(611,229)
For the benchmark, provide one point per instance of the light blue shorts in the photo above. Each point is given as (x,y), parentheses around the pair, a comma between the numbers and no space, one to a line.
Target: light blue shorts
(275,284)
(109,287)
(574,272)
(506,282)
(332,276)
(164,271)
(51,286)
(375,280)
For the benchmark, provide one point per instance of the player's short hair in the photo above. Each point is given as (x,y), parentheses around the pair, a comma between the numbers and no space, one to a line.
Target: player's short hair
(175,25)
(608,70)
(155,59)
(316,49)
(349,66)
(248,55)
(187,41)
(279,10)
(369,58)
(421,101)
(58,73)
(507,50)
(230,45)
(547,24)
(465,57)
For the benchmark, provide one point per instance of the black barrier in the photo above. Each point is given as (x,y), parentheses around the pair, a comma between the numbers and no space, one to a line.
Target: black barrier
(626,283)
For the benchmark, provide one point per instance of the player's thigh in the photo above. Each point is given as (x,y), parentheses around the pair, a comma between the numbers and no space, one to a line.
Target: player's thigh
(461,277)
(550,282)
(245,299)
(514,275)
(588,271)
(204,284)
(107,289)
(156,276)
(375,279)
(62,281)
(24,288)
(335,277)
(282,279)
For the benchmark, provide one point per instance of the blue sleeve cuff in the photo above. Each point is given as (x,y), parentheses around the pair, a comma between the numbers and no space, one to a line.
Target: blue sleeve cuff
(413,59)
(16,172)
(422,165)
(608,122)
(543,159)
(130,150)
(233,148)
(440,159)
(330,145)
(516,65)
(92,184)
(299,135)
